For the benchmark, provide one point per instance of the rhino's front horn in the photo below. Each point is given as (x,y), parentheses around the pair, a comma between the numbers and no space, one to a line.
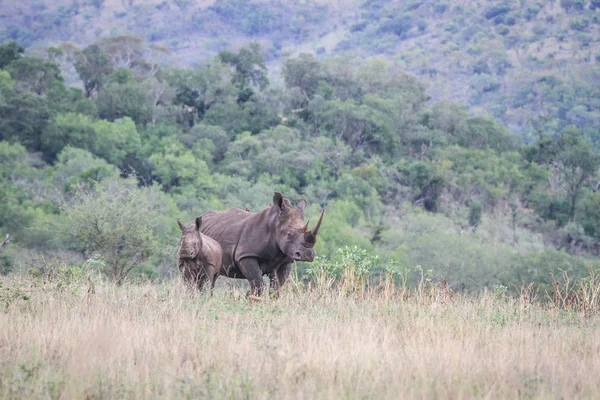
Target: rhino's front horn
(318,225)
(181,226)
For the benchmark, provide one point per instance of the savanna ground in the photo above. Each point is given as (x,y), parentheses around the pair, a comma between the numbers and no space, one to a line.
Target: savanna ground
(74,335)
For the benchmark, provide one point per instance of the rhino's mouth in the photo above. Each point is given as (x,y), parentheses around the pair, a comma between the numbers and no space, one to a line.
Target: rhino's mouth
(188,253)
(308,257)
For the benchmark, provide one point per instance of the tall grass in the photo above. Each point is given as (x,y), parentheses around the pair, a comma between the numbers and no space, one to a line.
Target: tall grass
(73,335)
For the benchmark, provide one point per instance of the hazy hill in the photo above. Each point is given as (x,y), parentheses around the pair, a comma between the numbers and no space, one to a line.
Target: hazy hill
(516,60)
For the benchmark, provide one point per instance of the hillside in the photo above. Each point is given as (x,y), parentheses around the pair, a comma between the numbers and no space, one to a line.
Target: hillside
(527,63)
(219,105)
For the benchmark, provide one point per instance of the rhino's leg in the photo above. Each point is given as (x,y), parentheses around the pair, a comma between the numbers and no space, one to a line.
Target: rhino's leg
(279,277)
(252,272)
(212,274)
(201,280)
(275,284)
(283,273)
(187,273)
(205,273)
(212,282)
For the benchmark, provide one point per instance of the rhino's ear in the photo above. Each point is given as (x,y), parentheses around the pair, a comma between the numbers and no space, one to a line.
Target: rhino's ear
(302,204)
(278,200)
(198,223)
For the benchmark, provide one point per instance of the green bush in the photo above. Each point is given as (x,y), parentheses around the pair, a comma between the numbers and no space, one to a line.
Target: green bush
(113,219)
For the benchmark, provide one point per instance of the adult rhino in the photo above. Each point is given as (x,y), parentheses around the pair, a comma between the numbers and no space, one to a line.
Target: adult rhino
(264,243)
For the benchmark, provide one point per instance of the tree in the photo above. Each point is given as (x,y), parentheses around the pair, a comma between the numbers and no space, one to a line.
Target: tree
(123,96)
(158,91)
(93,66)
(574,161)
(487,132)
(303,72)
(77,166)
(10,52)
(588,214)
(24,118)
(149,66)
(248,65)
(33,74)
(114,220)
(449,119)
(363,126)
(198,90)
(427,184)
(135,54)
(210,138)
(175,166)
(14,208)
(123,51)
(112,141)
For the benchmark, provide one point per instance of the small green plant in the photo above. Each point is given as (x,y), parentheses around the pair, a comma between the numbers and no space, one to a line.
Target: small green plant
(55,274)
(9,295)
(394,277)
(500,292)
(357,264)
(350,272)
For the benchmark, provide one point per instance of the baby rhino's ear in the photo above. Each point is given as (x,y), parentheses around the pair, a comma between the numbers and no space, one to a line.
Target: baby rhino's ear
(198,223)
(278,200)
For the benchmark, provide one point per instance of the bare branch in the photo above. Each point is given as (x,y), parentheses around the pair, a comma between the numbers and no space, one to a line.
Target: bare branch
(330,161)
(5,241)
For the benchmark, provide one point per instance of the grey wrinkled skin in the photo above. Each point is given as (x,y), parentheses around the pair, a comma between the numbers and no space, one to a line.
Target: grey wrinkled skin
(264,243)
(199,256)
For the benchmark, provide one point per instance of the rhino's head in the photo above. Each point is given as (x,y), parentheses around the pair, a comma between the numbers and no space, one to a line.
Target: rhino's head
(191,241)
(293,237)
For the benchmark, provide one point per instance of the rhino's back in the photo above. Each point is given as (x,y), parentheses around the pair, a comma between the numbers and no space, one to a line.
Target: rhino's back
(212,251)
(225,226)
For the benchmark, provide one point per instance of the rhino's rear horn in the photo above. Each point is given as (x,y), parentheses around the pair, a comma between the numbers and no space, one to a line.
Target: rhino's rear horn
(306,226)
(318,225)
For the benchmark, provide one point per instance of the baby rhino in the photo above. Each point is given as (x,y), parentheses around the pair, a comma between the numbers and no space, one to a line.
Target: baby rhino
(199,256)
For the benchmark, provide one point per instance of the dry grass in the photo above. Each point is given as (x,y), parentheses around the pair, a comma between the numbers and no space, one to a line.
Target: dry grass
(90,339)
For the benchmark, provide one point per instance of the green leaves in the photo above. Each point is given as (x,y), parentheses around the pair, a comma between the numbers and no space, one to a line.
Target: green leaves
(122,97)
(174,166)
(574,163)
(249,66)
(33,74)
(93,66)
(112,141)
(10,52)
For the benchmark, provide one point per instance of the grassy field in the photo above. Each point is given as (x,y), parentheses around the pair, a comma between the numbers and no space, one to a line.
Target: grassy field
(86,338)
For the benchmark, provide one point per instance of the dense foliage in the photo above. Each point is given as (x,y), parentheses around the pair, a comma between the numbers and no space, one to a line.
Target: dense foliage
(528,63)
(423,184)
